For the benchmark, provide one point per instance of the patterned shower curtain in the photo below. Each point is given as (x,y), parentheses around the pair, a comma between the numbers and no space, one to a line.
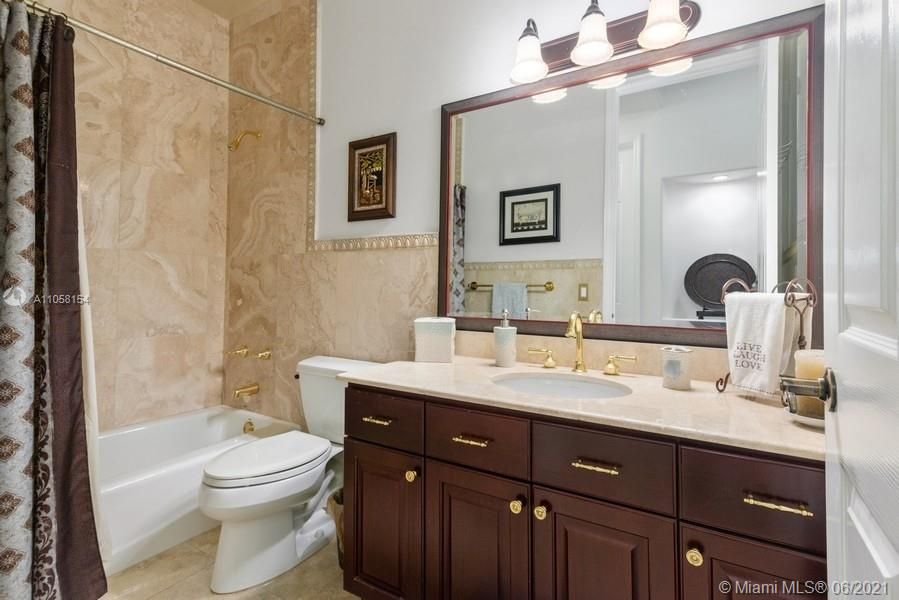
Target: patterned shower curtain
(457,282)
(48,542)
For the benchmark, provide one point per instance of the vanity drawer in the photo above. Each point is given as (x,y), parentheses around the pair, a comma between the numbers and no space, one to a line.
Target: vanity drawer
(765,499)
(484,441)
(622,469)
(385,419)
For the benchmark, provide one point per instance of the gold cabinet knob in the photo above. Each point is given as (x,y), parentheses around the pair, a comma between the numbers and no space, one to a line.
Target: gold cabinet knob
(411,475)
(541,512)
(694,557)
(516,506)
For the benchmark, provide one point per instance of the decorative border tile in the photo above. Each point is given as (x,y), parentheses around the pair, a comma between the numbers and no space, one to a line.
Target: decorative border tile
(384,242)
(535,265)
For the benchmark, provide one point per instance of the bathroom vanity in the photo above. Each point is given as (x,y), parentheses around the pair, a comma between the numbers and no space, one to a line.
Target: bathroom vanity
(459,487)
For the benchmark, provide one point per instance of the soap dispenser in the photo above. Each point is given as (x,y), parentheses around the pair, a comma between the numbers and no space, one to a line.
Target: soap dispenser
(504,342)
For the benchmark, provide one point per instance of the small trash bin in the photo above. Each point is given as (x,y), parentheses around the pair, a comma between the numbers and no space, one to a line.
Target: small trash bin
(335,509)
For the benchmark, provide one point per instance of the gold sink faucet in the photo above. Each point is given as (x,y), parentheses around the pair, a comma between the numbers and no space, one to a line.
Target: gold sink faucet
(246,390)
(576,331)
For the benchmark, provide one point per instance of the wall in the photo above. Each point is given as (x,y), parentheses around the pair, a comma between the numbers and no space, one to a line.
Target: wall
(721,217)
(703,126)
(523,144)
(152,171)
(390,65)
(566,275)
(383,66)
(281,296)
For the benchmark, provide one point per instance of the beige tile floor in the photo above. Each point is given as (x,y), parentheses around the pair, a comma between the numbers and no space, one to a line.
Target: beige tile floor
(183,573)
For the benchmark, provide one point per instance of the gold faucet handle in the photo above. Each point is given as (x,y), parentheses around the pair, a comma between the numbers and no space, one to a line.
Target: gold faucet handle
(264,355)
(612,367)
(240,351)
(550,362)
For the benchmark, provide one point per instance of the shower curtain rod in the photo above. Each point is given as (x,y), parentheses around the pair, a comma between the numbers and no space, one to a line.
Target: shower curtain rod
(40,8)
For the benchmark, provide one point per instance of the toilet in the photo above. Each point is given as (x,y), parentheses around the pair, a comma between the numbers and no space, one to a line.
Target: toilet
(270,494)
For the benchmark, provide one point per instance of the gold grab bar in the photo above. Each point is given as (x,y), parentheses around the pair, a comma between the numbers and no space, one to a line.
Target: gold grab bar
(801,509)
(382,421)
(549,286)
(589,465)
(471,441)
(235,143)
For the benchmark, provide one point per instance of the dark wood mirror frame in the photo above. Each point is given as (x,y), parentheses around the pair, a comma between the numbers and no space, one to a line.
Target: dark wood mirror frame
(810,20)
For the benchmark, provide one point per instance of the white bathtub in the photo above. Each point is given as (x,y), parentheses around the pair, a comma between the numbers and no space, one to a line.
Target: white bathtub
(150,476)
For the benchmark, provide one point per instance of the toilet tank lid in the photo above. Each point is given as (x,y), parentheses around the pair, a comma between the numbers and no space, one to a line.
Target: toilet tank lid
(330,365)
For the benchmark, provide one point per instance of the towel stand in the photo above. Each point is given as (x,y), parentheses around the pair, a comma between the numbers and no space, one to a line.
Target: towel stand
(799,293)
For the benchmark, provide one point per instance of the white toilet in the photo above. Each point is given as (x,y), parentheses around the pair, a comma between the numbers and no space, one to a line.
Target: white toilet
(270,494)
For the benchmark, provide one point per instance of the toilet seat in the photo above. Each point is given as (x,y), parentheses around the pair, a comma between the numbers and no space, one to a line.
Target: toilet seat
(267,460)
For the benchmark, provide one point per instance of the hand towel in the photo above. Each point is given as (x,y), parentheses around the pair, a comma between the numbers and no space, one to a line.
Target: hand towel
(511,296)
(762,335)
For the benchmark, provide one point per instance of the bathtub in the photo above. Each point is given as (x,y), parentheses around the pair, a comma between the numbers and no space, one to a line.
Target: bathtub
(150,475)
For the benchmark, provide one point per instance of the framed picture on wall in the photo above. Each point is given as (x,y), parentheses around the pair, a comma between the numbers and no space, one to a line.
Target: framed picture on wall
(372,178)
(529,215)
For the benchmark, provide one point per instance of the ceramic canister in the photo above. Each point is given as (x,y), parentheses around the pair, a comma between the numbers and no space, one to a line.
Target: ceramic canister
(676,367)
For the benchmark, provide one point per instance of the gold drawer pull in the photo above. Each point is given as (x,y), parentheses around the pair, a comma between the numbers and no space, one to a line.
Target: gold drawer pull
(800,509)
(471,441)
(382,421)
(589,465)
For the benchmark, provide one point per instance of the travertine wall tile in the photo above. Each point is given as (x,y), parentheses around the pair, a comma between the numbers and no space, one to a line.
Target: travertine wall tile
(153,179)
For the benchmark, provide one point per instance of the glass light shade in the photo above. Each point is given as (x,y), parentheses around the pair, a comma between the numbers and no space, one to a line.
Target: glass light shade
(607,83)
(675,67)
(664,27)
(593,45)
(550,97)
(529,64)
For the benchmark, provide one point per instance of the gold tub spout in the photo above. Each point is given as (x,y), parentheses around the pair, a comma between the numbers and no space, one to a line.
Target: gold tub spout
(246,390)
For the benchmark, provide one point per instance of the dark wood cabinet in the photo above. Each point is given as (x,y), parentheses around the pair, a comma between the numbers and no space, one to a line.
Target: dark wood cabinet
(448,503)
(585,549)
(477,532)
(383,500)
(719,566)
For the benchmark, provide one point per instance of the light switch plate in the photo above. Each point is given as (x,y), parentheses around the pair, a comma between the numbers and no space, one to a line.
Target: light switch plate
(583,292)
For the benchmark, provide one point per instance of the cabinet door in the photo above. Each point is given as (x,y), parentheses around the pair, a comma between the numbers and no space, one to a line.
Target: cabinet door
(586,549)
(383,500)
(477,535)
(719,566)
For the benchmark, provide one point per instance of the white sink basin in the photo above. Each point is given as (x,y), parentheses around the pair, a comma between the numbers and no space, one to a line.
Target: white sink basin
(561,385)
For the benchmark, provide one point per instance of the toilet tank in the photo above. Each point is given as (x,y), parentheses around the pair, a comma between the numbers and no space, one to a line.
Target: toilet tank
(322,394)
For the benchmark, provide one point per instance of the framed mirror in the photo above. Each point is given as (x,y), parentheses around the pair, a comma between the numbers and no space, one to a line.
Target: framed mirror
(631,191)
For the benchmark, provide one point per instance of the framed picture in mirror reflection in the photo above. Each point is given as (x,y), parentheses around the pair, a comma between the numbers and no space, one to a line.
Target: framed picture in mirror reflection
(529,215)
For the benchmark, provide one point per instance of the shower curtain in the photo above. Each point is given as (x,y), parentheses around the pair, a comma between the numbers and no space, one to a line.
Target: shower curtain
(457,281)
(48,541)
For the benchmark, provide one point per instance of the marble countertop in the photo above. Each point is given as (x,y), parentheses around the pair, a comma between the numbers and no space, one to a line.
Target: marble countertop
(731,418)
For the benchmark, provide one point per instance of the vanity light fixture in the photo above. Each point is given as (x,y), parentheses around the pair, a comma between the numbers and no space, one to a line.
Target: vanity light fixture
(664,27)
(675,67)
(529,64)
(593,46)
(608,83)
(550,97)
